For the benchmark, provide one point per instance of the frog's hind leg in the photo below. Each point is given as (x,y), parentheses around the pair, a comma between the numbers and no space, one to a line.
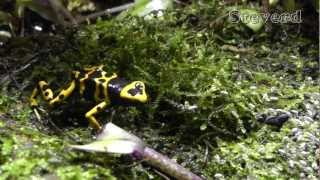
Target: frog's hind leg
(48,94)
(64,94)
(92,120)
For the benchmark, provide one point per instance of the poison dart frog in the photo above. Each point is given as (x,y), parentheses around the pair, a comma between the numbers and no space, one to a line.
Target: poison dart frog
(93,84)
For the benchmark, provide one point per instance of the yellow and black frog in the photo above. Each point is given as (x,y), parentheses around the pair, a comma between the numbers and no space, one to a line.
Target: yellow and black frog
(93,84)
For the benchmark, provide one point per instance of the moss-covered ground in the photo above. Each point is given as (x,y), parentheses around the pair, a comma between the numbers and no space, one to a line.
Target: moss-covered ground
(208,80)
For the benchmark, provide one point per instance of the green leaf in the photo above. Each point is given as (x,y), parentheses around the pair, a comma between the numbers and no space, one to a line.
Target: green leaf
(114,140)
(43,10)
(273,2)
(145,7)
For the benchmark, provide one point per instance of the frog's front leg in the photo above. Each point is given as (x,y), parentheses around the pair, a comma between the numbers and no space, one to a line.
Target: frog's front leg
(33,98)
(92,120)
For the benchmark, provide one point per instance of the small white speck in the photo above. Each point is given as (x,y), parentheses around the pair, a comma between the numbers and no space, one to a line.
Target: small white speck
(37,28)
(309,78)
(5,34)
(273,98)
(224,92)
(291,163)
(218,175)
(253,87)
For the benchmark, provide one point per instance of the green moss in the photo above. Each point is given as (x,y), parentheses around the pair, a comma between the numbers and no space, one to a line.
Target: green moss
(76,172)
(194,84)
(26,152)
(6,101)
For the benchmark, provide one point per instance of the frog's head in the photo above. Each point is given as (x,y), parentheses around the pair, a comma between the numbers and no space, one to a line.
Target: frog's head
(134,92)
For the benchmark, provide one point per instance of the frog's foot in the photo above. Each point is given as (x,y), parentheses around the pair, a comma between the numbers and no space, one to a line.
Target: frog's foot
(90,115)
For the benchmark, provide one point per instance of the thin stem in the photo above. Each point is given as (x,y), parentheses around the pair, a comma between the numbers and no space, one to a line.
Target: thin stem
(105,12)
(61,13)
(167,165)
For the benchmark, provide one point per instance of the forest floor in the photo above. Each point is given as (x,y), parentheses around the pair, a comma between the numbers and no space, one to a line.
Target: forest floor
(213,88)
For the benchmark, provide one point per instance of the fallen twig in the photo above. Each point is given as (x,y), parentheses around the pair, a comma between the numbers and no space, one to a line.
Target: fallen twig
(33,59)
(236,49)
(104,12)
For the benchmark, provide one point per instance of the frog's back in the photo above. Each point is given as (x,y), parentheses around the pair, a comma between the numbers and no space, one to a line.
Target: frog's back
(93,85)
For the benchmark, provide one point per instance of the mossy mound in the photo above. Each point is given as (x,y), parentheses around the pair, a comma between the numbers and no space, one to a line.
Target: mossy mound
(207,80)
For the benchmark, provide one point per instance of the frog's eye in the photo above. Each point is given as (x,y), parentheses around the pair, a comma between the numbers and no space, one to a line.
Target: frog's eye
(137,88)
(138,85)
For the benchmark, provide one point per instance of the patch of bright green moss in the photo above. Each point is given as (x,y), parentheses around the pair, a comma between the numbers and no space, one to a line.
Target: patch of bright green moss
(26,152)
